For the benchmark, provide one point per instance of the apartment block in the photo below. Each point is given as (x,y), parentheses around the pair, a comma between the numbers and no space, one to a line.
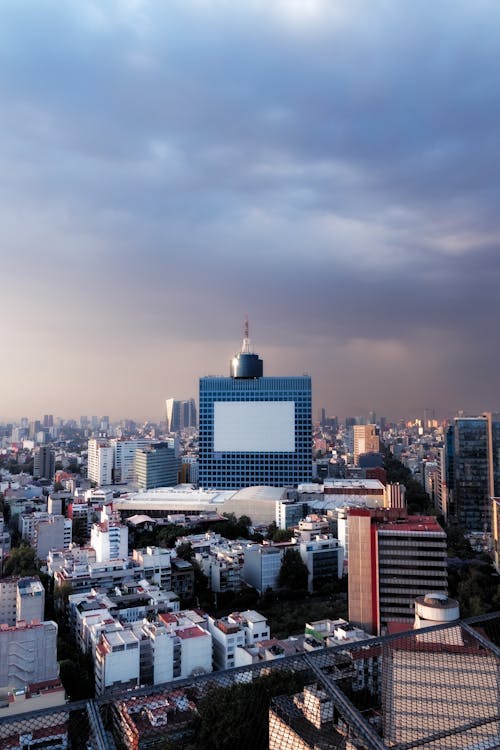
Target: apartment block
(391,562)
(110,540)
(238,629)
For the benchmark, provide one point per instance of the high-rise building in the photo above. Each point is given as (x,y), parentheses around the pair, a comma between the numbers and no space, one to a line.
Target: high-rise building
(180,414)
(44,463)
(366,440)
(156,466)
(391,562)
(254,430)
(124,458)
(100,462)
(472,469)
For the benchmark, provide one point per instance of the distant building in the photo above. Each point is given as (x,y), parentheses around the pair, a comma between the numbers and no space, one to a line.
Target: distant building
(55,532)
(100,462)
(124,459)
(21,599)
(44,463)
(366,440)
(30,600)
(180,414)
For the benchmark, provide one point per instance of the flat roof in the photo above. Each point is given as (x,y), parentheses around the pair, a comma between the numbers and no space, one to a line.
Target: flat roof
(412,523)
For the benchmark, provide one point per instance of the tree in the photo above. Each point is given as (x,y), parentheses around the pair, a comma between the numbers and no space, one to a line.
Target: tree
(237,716)
(417,499)
(185,551)
(278,535)
(21,562)
(293,571)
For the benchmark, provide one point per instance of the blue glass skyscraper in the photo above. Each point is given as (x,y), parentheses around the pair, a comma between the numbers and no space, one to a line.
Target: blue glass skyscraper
(254,430)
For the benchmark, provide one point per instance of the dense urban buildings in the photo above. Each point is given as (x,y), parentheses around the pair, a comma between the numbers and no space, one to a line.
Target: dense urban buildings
(254,430)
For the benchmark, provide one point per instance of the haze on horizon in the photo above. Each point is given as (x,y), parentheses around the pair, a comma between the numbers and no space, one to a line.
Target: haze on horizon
(329,168)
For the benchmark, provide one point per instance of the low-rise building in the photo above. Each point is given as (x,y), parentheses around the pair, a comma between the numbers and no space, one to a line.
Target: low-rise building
(304,720)
(148,721)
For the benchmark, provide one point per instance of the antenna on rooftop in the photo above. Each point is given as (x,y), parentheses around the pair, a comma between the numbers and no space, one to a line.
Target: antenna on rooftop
(245,347)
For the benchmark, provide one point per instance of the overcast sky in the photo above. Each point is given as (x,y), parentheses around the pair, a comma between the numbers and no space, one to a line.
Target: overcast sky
(330,168)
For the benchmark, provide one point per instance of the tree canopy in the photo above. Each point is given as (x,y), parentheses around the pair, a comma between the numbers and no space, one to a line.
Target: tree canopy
(293,571)
(21,562)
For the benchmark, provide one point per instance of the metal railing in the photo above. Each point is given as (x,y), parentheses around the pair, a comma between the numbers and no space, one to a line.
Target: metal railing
(435,688)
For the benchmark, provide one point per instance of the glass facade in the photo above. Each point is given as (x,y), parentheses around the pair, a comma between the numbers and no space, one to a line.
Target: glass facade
(471,465)
(233,469)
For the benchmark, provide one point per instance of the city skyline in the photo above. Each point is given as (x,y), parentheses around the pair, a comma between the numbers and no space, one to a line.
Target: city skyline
(327,168)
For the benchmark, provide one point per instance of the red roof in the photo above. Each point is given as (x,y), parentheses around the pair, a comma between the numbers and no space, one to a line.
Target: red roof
(194,632)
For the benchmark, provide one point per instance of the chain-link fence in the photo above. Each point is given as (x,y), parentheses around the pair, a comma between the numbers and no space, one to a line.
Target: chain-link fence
(437,688)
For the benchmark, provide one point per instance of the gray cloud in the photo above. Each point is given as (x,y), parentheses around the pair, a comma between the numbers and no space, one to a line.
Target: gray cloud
(329,168)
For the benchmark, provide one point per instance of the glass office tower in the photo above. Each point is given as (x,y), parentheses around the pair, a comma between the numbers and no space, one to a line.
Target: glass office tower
(254,430)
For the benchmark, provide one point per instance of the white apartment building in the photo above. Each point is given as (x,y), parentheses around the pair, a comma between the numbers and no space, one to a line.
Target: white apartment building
(27,525)
(193,645)
(237,630)
(84,576)
(44,532)
(85,610)
(100,462)
(157,648)
(175,646)
(117,663)
(227,635)
(223,566)
(110,540)
(156,563)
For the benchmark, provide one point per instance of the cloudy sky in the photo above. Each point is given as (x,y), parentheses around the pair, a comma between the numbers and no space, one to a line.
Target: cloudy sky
(330,168)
